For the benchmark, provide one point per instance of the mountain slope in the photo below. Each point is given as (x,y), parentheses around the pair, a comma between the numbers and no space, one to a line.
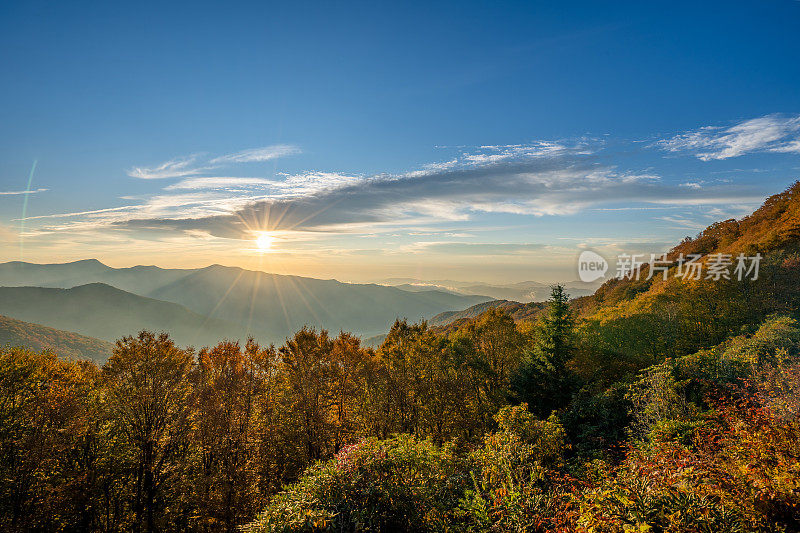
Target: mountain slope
(442,319)
(107,313)
(636,322)
(65,343)
(279,305)
(272,306)
(773,231)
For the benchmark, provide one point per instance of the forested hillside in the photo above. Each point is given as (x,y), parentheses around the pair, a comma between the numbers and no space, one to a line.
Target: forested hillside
(664,405)
(64,343)
(519,311)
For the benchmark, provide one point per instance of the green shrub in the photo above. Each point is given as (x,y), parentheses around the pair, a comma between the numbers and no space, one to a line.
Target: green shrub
(517,485)
(399,484)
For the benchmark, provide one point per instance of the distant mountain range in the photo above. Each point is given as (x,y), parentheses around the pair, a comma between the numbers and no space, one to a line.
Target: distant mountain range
(524,291)
(202,306)
(448,317)
(15,332)
(104,312)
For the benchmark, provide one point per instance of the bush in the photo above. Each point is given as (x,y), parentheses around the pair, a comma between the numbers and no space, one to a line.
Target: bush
(399,484)
(517,485)
(741,472)
(596,422)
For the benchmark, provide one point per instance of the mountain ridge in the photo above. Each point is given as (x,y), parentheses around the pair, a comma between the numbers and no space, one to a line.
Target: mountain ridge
(270,306)
(108,313)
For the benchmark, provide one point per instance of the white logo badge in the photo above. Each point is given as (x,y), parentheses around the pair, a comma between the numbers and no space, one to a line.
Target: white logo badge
(591,266)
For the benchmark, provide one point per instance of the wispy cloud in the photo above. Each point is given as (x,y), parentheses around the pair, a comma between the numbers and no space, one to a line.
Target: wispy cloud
(14,193)
(257,154)
(174,168)
(219,182)
(684,223)
(314,182)
(84,213)
(771,133)
(563,183)
(289,185)
(195,165)
(498,153)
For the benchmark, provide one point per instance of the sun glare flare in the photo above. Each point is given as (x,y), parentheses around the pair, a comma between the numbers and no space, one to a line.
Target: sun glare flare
(264,242)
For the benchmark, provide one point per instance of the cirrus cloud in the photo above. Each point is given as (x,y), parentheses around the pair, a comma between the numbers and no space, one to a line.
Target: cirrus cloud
(771,133)
(192,165)
(257,154)
(174,168)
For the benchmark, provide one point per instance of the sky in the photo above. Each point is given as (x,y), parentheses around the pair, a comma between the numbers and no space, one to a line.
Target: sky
(485,141)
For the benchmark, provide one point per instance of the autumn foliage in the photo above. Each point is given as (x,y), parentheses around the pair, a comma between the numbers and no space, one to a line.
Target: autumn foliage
(654,405)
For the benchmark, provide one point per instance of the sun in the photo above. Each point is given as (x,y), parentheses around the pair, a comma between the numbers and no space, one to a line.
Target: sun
(264,242)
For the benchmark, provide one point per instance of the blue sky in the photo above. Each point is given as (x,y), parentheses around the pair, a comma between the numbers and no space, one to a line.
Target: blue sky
(485,141)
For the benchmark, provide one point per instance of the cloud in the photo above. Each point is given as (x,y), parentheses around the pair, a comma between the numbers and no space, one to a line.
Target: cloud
(789,147)
(174,168)
(186,204)
(219,183)
(533,185)
(14,193)
(497,154)
(257,154)
(531,180)
(771,133)
(290,185)
(684,223)
(184,167)
(84,213)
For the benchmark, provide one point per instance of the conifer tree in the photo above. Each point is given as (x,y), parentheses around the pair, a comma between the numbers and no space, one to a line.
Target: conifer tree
(544,379)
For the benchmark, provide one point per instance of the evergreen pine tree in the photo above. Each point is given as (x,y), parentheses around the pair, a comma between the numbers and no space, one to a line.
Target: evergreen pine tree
(544,379)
